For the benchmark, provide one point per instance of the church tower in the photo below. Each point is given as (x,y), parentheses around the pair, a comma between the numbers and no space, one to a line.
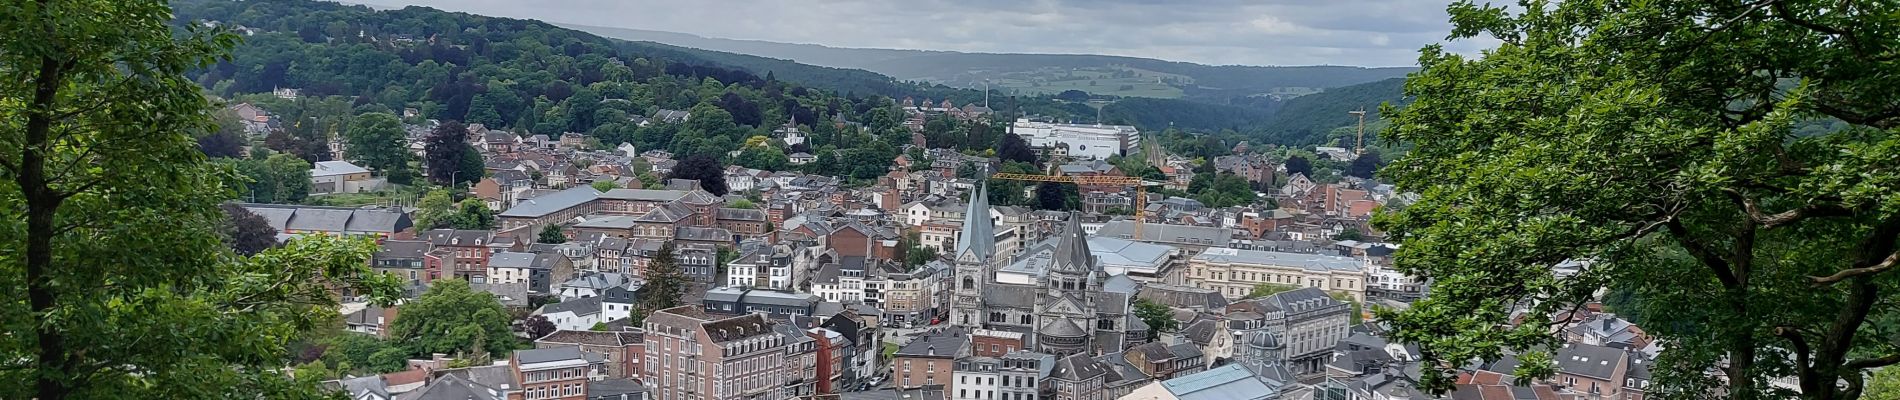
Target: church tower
(1073,268)
(976,245)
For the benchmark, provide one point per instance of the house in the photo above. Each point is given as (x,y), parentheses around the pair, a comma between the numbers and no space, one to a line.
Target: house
(342,177)
(929,360)
(583,313)
(371,320)
(596,284)
(801,158)
(538,270)
(404,259)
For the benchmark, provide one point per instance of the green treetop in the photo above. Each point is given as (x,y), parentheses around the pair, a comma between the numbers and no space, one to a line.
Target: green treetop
(1654,142)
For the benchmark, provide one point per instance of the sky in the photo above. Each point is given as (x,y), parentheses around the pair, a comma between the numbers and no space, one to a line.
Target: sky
(1218,32)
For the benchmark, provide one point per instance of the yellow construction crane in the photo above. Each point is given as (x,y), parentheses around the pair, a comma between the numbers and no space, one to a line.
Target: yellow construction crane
(1141,188)
(1359,147)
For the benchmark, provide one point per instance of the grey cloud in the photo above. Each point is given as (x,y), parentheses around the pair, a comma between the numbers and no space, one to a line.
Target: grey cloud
(1249,32)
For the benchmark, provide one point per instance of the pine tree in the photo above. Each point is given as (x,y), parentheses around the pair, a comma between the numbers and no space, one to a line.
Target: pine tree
(665,283)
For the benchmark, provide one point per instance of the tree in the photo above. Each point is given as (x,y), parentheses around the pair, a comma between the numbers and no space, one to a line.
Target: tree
(1350,234)
(665,283)
(1299,165)
(705,169)
(1656,141)
(473,214)
(551,234)
(744,204)
(539,326)
(1014,148)
(379,142)
(604,186)
(1055,196)
(1073,95)
(444,152)
(246,232)
(222,144)
(598,327)
(451,318)
(276,178)
(432,211)
(387,360)
(1268,289)
(1364,166)
(1158,317)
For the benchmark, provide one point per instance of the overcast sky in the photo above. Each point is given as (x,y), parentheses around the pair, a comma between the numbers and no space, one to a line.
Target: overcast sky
(1249,32)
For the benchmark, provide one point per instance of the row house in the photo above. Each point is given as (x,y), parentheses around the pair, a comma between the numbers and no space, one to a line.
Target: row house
(463,254)
(692,355)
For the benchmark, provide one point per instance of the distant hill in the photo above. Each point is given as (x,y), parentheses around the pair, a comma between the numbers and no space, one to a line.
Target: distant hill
(1046,73)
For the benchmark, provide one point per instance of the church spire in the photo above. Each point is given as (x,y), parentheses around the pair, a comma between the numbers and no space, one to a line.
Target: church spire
(1072,254)
(979,235)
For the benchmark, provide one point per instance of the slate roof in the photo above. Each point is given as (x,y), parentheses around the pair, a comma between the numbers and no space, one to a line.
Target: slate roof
(580,306)
(1077,367)
(934,346)
(1182,296)
(1588,360)
(510,259)
(452,387)
(615,389)
(402,249)
(1062,327)
(740,214)
(592,338)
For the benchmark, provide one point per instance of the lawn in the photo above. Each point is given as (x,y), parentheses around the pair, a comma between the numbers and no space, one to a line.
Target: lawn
(889,350)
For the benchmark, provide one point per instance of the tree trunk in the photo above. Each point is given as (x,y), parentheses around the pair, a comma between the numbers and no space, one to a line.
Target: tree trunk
(42,203)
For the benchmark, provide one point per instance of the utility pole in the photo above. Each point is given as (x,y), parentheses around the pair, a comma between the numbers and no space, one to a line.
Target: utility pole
(1359,148)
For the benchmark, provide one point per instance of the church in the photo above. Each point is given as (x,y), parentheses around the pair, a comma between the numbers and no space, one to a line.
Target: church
(1062,310)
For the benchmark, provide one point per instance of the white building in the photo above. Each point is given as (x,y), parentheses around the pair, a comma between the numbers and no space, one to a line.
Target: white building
(975,378)
(1077,140)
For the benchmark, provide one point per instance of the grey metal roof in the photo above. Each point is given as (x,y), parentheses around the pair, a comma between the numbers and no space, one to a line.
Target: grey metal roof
(760,296)
(334,168)
(551,203)
(1310,262)
(643,195)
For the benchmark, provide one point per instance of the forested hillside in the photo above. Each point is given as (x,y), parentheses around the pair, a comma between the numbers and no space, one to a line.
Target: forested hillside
(516,75)
(1306,120)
